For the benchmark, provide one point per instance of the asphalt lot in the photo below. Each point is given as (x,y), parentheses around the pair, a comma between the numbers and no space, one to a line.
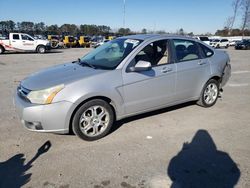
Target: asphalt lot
(186,143)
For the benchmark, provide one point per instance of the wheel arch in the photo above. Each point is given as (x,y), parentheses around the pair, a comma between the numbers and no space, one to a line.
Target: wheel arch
(1,46)
(39,46)
(104,98)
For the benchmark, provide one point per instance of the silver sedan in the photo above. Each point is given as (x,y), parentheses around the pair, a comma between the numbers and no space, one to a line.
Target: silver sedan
(126,76)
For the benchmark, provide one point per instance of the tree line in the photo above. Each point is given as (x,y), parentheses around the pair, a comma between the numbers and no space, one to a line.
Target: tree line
(66,29)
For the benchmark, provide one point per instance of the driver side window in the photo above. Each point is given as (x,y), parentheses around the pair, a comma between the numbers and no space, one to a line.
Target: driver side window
(157,53)
(26,37)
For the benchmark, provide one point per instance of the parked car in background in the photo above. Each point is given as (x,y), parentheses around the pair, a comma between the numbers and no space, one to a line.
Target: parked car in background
(203,39)
(123,77)
(70,41)
(219,43)
(84,41)
(24,43)
(243,45)
(233,42)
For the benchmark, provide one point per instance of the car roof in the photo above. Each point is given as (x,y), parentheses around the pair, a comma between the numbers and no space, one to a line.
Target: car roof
(155,36)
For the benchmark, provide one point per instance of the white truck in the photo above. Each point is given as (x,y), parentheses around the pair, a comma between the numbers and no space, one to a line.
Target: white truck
(23,42)
(219,43)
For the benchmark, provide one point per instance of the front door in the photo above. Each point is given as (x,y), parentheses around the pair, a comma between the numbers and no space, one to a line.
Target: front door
(154,88)
(28,43)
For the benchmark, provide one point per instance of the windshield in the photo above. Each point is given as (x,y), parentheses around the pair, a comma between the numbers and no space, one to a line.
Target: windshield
(110,54)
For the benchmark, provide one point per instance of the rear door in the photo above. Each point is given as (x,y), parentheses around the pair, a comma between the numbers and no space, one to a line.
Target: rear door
(192,70)
(15,42)
(153,88)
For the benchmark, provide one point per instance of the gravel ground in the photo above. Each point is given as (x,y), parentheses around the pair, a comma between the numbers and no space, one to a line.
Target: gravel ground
(181,145)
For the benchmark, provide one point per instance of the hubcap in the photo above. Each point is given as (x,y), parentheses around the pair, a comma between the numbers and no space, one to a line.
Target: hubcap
(42,50)
(210,93)
(94,121)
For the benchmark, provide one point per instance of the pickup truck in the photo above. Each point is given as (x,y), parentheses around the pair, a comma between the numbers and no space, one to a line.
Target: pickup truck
(23,42)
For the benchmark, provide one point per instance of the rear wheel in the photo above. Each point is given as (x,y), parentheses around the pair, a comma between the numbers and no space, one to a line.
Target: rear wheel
(1,50)
(41,49)
(93,120)
(209,94)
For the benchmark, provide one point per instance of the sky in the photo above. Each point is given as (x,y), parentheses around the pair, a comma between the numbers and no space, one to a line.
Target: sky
(198,16)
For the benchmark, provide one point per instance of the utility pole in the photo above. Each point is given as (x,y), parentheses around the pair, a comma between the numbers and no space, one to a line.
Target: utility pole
(124,10)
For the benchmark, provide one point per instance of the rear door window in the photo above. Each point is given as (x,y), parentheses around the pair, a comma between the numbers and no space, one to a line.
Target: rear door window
(206,51)
(186,50)
(204,39)
(16,36)
(224,40)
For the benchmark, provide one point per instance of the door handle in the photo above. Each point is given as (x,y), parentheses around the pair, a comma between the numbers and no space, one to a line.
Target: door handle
(13,41)
(202,62)
(166,69)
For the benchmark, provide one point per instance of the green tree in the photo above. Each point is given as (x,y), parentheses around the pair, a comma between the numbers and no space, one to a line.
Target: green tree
(27,26)
(8,25)
(39,28)
(144,31)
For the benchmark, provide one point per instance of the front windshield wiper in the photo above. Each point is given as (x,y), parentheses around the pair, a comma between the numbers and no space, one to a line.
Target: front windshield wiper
(84,63)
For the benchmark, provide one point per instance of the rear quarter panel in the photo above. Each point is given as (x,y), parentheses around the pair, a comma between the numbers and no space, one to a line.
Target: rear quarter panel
(218,62)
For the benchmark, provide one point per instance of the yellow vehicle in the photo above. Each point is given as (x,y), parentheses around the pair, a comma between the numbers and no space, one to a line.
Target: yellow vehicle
(69,41)
(84,41)
(110,37)
(54,41)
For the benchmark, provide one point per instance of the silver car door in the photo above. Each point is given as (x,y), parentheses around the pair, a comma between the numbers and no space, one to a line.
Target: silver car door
(149,89)
(192,70)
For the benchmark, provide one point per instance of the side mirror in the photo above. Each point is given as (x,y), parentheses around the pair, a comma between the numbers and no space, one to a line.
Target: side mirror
(141,66)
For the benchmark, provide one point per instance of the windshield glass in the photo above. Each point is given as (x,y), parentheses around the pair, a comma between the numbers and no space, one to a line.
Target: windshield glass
(110,54)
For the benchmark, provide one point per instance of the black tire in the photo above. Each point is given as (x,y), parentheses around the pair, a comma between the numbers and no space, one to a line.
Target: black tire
(41,49)
(76,126)
(203,98)
(1,50)
(227,46)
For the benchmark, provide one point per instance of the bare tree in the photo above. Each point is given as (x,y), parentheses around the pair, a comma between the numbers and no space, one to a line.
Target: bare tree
(230,21)
(245,4)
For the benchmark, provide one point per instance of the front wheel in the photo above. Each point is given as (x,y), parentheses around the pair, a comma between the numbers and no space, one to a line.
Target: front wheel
(93,120)
(209,94)
(41,49)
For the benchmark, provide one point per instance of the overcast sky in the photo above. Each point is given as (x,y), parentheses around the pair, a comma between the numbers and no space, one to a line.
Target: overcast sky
(198,16)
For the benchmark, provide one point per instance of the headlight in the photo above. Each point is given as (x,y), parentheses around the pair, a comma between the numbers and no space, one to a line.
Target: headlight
(44,96)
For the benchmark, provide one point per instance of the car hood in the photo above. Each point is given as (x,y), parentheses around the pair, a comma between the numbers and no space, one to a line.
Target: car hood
(60,74)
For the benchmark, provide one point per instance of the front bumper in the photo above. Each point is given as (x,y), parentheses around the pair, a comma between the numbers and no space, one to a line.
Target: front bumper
(48,47)
(53,117)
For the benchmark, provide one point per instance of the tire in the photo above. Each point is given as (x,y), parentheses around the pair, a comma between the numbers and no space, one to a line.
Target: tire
(41,49)
(209,98)
(1,50)
(90,115)
(227,46)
